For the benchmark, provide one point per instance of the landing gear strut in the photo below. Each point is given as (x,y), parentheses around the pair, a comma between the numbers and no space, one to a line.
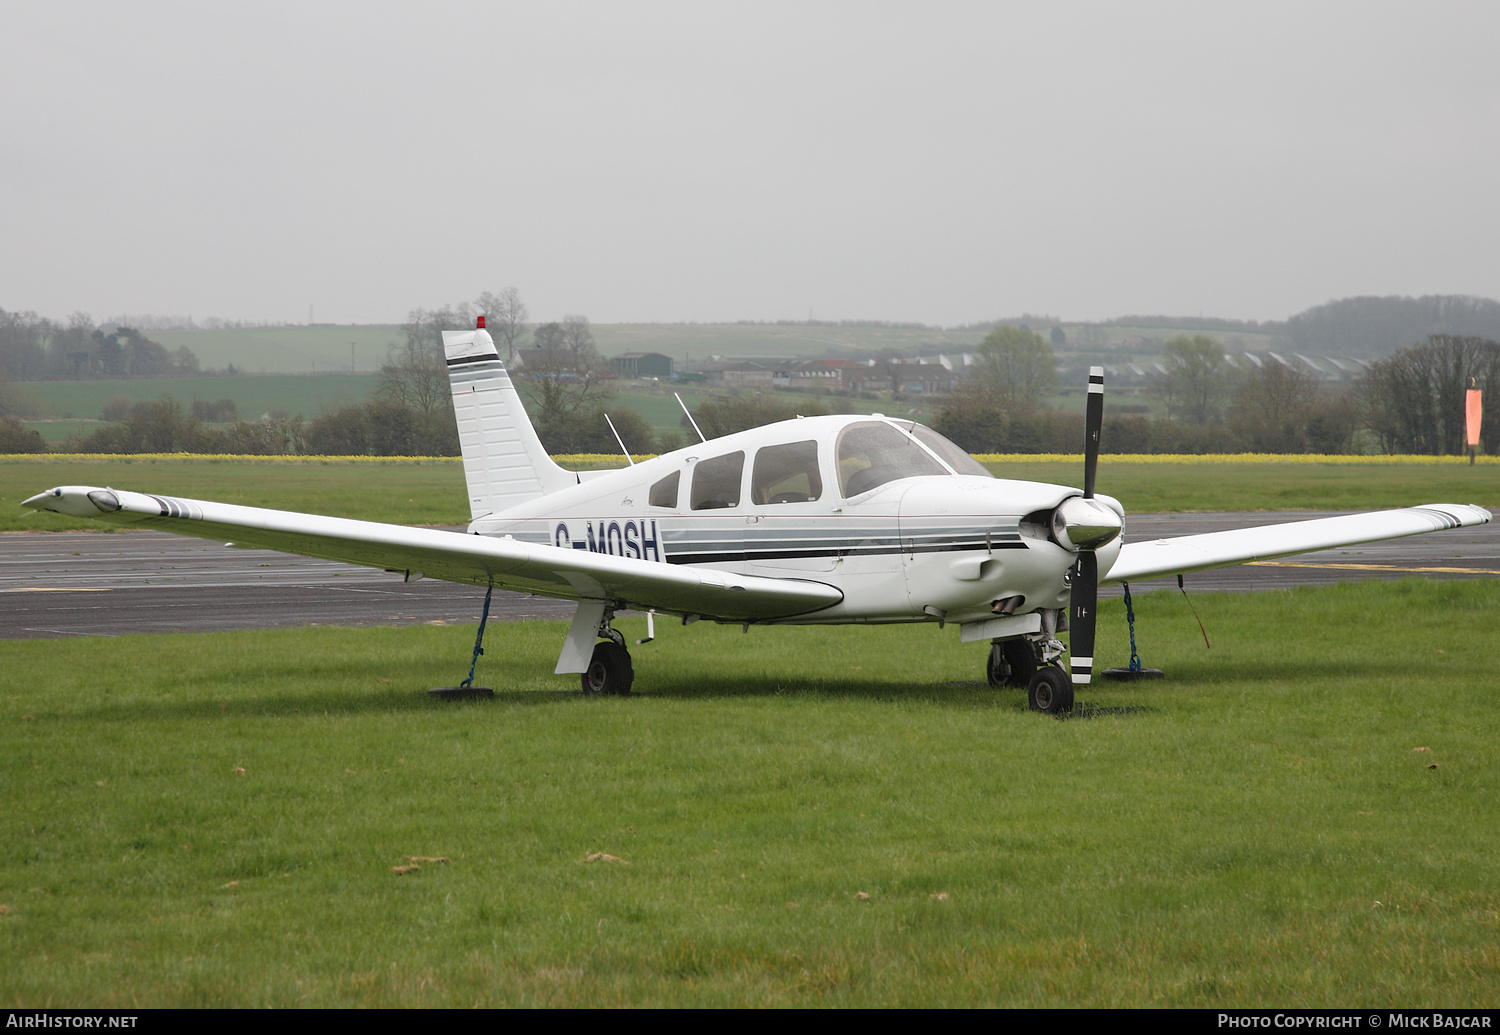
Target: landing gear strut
(609,670)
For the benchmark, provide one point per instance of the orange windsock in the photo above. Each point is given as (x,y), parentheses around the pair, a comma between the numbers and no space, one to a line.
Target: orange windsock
(1473,410)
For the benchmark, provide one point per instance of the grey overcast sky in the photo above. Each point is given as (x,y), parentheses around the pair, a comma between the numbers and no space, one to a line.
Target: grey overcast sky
(936,162)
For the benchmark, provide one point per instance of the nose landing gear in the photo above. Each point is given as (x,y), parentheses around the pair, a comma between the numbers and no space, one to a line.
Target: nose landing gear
(1033,662)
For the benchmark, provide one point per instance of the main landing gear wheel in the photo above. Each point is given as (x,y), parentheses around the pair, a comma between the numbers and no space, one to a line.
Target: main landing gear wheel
(1050,691)
(1011,663)
(609,671)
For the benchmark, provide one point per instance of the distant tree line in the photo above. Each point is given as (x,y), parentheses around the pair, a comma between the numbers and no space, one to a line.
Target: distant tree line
(1209,323)
(564,382)
(1369,326)
(33,348)
(164,426)
(1362,326)
(1411,402)
(1025,321)
(15,438)
(884,324)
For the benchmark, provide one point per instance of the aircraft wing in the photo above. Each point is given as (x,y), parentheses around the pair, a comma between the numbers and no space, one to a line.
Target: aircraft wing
(1189,553)
(456,556)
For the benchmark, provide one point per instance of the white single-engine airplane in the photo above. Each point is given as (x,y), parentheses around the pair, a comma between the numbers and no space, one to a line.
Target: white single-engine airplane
(823,520)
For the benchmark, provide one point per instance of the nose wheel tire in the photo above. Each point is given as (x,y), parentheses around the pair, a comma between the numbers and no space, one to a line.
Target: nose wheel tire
(609,671)
(1050,691)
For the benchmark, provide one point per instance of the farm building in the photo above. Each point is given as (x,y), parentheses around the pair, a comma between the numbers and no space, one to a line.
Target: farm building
(642,364)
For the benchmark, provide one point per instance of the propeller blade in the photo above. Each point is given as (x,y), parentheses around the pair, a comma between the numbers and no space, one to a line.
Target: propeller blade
(1084,596)
(1084,599)
(1094,422)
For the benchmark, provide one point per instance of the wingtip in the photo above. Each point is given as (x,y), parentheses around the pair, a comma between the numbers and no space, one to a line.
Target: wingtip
(75,501)
(1463,513)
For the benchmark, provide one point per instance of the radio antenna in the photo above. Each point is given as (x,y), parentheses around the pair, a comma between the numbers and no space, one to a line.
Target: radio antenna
(619,439)
(701,436)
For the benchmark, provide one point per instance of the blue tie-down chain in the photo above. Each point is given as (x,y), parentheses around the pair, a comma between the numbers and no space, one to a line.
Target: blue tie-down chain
(479,640)
(1135,659)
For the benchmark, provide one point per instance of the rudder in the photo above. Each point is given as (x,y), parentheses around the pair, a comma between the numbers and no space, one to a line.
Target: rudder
(504,462)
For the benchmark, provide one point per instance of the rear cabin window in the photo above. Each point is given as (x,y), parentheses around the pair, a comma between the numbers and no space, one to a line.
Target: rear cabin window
(873,453)
(786,474)
(664,492)
(716,482)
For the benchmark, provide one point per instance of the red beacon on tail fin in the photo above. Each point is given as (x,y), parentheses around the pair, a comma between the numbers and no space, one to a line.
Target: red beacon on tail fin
(480,325)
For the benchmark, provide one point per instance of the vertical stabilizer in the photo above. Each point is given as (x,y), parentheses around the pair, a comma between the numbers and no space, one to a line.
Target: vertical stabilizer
(504,462)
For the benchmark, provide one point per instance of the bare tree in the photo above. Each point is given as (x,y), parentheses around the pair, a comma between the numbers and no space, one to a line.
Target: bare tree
(71,351)
(415,377)
(1091,335)
(424,327)
(1272,408)
(506,316)
(1014,369)
(567,388)
(1414,400)
(576,336)
(23,338)
(548,337)
(415,374)
(184,360)
(1197,380)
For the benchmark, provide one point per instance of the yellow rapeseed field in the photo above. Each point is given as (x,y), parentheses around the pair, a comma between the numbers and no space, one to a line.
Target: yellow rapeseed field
(569,459)
(1226,458)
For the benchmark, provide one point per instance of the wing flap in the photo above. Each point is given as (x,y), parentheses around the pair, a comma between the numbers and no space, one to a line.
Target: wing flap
(456,556)
(1189,553)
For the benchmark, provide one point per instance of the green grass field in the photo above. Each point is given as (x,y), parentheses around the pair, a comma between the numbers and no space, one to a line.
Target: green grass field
(432,492)
(1229,484)
(308,395)
(314,395)
(406,492)
(1303,816)
(57,432)
(320,348)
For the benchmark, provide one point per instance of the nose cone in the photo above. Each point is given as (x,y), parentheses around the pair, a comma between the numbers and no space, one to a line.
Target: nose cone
(1084,524)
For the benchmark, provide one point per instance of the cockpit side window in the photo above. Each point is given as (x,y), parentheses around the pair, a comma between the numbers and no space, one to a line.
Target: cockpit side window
(786,474)
(716,482)
(664,492)
(872,453)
